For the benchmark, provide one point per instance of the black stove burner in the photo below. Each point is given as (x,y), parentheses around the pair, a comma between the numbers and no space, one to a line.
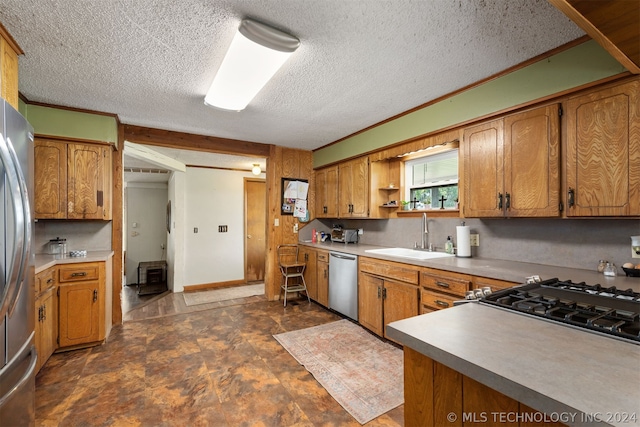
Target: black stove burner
(606,310)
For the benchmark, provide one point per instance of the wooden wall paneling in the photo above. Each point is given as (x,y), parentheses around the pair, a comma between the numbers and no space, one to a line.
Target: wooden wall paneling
(117,227)
(281,163)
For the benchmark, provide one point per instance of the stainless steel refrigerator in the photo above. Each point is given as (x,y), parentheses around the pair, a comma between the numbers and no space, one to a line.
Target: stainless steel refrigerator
(17,272)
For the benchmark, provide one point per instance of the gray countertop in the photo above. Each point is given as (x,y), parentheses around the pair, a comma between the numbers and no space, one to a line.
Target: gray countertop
(550,367)
(496,269)
(44,261)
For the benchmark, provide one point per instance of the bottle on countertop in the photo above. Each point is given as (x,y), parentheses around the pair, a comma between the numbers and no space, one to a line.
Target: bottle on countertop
(448,245)
(314,236)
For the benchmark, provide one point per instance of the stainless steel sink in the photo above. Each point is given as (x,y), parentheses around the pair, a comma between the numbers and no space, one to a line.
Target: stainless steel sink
(409,253)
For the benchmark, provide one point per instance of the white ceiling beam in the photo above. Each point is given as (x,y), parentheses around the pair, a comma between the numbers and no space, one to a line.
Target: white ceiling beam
(146,154)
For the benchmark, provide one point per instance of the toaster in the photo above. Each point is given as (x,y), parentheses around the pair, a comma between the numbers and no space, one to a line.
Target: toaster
(344,235)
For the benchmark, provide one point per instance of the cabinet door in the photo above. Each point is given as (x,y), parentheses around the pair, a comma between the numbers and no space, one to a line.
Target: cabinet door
(532,163)
(400,302)
(45,327)
(8,73)
(603,152)
(360,187)
(353,177)
(50,164)
(327,192)
(483,401)
(345,189)
(482,152)
(370,302)
(79,313)
(86,180)
(323,282)
(308,255)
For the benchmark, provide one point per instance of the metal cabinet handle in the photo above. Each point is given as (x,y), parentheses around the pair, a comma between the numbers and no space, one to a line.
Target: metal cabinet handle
(442,284)
(79,274)
(50,280)
(571,197)
(40,314)
(442,303)
(95,295)
(499,200)
(508,201)
(44,312)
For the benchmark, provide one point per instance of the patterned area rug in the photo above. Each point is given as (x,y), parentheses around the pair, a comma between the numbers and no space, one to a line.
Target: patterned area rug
(361,372)
(224,294)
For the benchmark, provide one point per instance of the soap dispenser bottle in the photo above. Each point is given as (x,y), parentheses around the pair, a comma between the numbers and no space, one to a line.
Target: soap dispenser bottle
(448,245)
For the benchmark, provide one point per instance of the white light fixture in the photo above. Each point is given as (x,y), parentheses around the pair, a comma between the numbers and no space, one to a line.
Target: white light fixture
(255,55)
(256,169)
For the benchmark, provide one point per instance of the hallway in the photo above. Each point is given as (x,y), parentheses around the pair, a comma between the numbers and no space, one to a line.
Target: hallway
(215,367)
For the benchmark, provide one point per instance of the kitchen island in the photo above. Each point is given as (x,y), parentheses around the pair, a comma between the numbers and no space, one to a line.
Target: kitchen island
(573,376)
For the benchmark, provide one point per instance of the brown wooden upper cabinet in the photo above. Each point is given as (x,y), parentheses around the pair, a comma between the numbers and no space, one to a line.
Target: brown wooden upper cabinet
(327,192)
(342,191)
(512,165)
(9,52)
(353,188)
(603,152)
(73,180)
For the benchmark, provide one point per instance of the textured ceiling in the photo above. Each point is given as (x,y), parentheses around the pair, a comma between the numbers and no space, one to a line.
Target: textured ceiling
(360,61)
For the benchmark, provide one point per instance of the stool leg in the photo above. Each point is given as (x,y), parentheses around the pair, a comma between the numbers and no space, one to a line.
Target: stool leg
(286,289)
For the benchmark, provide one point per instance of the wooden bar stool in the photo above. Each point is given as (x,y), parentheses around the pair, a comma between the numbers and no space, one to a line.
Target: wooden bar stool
(291,268)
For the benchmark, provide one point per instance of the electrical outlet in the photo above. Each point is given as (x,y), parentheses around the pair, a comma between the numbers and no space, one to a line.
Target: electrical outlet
(276,222)
(295,227)
(635,252)
(161,245)
(474,239)
(360,231)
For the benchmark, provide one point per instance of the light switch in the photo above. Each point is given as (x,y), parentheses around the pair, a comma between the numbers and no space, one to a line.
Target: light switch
(134,225)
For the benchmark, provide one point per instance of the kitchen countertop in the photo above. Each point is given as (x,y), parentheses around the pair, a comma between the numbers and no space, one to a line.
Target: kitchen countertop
(512,271)
(44,261)
(547,366)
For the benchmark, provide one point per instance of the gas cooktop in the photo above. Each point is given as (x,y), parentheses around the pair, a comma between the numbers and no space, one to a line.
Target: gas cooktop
(608,311)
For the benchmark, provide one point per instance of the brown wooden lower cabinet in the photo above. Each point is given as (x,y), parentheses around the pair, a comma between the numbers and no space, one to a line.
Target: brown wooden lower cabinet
(322,276)
(45,318)
(82,304)
(436,395)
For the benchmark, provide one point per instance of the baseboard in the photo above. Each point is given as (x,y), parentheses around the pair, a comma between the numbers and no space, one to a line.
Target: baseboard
(208,286)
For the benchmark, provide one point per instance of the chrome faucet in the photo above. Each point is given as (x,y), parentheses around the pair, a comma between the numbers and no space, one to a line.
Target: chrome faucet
(424,235)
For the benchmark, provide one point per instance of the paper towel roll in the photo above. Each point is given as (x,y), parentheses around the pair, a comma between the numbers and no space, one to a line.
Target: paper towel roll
(463,241)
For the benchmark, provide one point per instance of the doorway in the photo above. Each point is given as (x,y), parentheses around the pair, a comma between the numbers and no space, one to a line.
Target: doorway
(255,198)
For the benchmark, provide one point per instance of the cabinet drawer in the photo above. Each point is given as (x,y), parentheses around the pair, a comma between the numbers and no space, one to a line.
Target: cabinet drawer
(494,284)
(323,256)
(445,281)
(389,269)
(79,272)
(45,279)
(435,300)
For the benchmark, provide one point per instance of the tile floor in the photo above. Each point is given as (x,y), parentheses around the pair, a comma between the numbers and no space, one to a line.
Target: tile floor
(215,367)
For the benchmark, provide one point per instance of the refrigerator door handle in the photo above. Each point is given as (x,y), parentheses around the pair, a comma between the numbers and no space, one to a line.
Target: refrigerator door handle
(26,225)
(12,288)
(27,348)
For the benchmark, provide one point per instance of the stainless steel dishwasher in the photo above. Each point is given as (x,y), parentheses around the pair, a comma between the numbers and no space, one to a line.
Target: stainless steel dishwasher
(343,284)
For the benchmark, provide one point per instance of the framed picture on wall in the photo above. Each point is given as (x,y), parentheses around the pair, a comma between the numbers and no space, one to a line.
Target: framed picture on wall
(293,191)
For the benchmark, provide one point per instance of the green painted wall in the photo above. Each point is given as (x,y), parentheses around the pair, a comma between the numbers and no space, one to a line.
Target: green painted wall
(72,124)
(579,65)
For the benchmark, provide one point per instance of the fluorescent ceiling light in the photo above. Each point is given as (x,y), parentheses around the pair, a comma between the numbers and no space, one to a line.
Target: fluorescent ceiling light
(255,55)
